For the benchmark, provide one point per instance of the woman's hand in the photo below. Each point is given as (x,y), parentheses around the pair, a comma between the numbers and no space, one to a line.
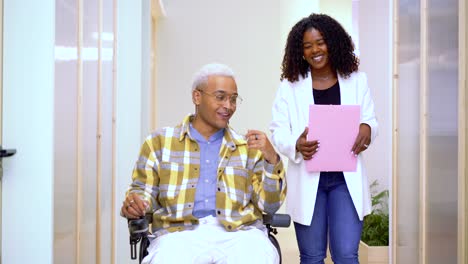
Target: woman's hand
(307,148)
(363,139)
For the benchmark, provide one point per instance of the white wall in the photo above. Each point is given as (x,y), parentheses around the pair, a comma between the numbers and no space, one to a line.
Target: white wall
(145,52)
(28,100)
(375,41)
(291,11)
(242,34)
(341,10)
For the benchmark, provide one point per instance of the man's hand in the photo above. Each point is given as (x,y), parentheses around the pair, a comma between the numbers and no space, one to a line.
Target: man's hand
(363,139)
(258,140)
(307,148)
(133,207)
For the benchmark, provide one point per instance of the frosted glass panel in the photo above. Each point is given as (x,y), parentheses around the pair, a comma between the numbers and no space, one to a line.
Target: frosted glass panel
(408,156)
(106,108)
(65,132)
(89,131)
(67,128)
(441,237)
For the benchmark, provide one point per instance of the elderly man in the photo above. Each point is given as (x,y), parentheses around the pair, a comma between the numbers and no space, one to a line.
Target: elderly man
(207,186)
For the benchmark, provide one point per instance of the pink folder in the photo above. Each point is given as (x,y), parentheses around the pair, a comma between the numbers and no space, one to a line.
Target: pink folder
(336,127)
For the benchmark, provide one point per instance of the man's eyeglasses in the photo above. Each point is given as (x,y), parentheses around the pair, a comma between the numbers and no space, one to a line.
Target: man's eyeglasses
(222,97)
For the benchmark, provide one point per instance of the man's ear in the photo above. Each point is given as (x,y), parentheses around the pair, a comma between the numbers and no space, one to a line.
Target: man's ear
(196,97)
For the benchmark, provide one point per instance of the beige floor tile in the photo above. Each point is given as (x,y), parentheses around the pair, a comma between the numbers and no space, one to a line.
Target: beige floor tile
(287,240)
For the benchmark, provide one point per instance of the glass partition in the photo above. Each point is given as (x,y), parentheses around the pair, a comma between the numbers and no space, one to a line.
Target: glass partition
(65,132)
(427,132)
(442,132)
(84,102)
(408,104)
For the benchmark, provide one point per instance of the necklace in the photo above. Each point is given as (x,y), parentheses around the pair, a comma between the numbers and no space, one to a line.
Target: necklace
(322,78)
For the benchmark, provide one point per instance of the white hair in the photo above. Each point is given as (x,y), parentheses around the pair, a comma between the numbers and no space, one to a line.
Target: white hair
(213,69)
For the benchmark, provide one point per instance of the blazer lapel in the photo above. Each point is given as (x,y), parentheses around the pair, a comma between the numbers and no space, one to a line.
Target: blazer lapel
(304,96)
(347,90)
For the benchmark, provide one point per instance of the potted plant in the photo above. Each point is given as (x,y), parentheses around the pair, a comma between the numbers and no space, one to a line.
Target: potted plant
(375,229)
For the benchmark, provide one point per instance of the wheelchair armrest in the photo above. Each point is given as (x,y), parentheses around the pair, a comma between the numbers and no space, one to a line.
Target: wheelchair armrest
(277,220)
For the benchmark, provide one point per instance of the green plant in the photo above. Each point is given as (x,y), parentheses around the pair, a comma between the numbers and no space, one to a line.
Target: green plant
(376,225)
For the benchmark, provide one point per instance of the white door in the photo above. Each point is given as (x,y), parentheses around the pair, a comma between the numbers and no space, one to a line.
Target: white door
(27,126)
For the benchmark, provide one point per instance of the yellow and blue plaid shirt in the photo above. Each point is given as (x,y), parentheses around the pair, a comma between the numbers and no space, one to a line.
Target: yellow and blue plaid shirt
(167,172)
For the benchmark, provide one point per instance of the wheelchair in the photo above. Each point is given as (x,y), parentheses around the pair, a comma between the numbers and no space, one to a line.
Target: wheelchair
(139,232)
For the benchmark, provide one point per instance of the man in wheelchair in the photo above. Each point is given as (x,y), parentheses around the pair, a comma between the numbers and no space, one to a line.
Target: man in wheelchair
(207,186)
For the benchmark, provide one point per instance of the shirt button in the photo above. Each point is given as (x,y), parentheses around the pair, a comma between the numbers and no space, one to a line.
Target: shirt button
(207,181)
(207,161)
(209,143)
(206,201)
(219,189)
(219,212)
(229,227)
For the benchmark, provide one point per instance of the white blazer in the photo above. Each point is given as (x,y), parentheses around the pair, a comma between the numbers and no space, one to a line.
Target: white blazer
(291,116)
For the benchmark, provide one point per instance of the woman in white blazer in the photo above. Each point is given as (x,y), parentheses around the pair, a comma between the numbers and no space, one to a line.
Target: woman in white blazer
(319,67)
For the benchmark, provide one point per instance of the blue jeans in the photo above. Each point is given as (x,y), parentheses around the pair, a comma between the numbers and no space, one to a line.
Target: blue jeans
(335,217)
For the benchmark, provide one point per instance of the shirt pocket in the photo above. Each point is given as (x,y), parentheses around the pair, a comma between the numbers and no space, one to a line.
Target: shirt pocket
(238,184)
(170,180)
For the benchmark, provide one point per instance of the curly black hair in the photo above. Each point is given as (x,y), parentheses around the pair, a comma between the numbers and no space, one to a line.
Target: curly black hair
(339,43)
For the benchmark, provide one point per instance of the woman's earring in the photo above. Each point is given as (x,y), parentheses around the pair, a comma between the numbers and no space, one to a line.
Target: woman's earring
(303,57)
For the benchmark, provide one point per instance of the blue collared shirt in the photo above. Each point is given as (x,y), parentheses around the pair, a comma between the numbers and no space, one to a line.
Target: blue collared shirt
(205,194)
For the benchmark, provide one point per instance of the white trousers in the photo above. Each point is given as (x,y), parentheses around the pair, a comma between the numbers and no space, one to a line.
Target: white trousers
(211,243)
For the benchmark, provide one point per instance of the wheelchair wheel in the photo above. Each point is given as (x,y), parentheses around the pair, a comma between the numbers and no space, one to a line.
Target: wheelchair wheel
(277,246)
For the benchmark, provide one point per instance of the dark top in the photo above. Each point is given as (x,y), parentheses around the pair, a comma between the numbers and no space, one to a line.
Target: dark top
(330,96)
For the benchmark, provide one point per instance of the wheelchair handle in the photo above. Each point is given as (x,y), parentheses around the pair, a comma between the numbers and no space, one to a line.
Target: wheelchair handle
(138,226)
(138,230)
(277,220)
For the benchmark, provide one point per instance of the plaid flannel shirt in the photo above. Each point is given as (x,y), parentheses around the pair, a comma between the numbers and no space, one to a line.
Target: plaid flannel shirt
(167,172)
